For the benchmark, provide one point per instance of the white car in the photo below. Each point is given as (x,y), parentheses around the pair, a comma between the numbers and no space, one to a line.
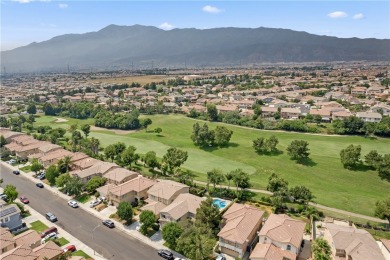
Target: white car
(73,203)
(52,235)
(94,203)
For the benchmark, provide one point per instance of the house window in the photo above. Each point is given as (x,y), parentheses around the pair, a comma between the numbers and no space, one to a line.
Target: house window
(288,247)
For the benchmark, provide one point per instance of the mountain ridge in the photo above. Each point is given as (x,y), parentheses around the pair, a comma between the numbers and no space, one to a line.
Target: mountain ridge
(116,46)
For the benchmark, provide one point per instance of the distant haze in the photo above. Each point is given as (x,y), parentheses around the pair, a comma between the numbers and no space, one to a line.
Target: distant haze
(116,47)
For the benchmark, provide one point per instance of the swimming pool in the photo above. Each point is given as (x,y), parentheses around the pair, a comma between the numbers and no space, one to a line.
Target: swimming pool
(219,203)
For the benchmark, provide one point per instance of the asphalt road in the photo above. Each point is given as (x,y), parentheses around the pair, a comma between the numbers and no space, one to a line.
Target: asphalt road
(110,243)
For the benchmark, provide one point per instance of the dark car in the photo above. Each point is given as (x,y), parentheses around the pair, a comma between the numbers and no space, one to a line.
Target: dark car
(165,254)
(108,223)
(39,185)
(50,216)
(16,172)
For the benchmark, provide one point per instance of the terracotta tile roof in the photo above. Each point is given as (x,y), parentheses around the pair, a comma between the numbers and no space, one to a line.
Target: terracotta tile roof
(6,238)
(283,229)
(271,252)
(183,204)
(357,243)
(99,168)
(166,189)
(153,206)
(137,184)
(78,156)
(119,174)
(21,252)
(240,221)
(85,163)
(49,250)
(386,243)
(28,237)
(9,134)
(57,154)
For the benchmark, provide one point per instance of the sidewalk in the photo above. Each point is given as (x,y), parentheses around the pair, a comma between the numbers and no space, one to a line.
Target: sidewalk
(35,216)
(156,241)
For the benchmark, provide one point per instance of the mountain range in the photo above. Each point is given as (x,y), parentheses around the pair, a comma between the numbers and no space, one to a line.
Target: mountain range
(116,47)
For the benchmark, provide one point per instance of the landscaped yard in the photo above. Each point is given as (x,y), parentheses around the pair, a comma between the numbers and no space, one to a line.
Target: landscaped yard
(26,168)
(81,253)
(83,198)
(38,226)
(333,186)
(62,241)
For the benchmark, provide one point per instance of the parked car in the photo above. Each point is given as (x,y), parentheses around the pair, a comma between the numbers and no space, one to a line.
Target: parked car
(41,176)
(70,248)
(16,172)
(94,203)
(73,203)
(220,257)
(48,231)
(49,236)
(39,185)
(108,223)
(24,200)
(12,161)
(50,216)
(165,254)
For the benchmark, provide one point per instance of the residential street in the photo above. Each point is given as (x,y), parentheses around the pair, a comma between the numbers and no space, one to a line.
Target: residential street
(111,243)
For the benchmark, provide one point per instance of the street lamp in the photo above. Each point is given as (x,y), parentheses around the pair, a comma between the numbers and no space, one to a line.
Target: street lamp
(93,238)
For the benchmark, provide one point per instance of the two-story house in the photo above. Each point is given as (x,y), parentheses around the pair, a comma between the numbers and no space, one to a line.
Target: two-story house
(98,169)
(183,207)
(284,233)
(238,234)
(10,216)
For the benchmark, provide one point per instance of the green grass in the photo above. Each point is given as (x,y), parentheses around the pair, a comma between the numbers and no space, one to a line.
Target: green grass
(378,234)
(62,241)
(26,168)
(38,226)
(333,186)
(83,198)
(81,253)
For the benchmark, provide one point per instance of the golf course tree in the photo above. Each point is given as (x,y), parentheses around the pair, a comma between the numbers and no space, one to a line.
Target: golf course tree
(174,158)
(146,122)
(350,156)
(241,180)
(86,129)
(321,249)
(129,156)
(158,130)
(301,194)
(215,176)
(373,159)
(298,150)
(10,191)
(31,109)
(151,159)
(382,209)
(277,185)
(263,146)
(125,211)
(202,136)
(222,136)
(384,167)
(212,112)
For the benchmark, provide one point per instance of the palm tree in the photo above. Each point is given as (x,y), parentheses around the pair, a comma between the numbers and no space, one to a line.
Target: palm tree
(64,164)
(229,177)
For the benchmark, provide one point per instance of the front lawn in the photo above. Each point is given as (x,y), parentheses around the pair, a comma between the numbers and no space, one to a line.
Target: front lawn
(26,168)
(84,198)
(62,241)
(81,253)
(38,226)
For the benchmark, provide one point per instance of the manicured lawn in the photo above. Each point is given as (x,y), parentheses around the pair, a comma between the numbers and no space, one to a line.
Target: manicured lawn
(333,186)
(81,253)
(62,241)
(38,226)
(26,168)
(83,198)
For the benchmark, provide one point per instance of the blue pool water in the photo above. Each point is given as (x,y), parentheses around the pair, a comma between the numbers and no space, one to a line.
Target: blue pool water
(219,203)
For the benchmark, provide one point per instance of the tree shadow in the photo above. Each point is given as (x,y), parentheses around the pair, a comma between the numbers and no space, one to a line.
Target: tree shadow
(307,162)
(158,135)
(273,153)
(361,168)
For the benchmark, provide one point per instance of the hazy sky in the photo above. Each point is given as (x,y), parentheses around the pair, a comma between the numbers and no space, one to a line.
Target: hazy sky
(26,21)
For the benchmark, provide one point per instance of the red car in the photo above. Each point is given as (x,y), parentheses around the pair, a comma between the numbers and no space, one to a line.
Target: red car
(24,200)
(70,248)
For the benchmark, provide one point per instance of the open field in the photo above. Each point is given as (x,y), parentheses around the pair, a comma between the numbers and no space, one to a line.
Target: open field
(136,79)
(333,186)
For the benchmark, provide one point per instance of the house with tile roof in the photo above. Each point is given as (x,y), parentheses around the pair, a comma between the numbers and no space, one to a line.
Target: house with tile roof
(183,207)
(348,242)
(284,233)
(240,224)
